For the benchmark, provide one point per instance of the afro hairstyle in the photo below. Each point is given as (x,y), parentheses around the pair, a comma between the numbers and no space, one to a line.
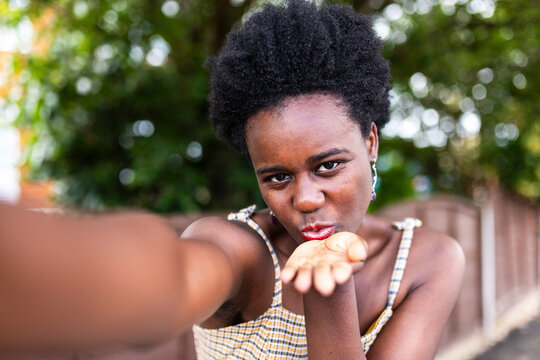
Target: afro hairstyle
(299,48)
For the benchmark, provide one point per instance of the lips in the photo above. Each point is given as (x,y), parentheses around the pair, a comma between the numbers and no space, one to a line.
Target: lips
(317,232)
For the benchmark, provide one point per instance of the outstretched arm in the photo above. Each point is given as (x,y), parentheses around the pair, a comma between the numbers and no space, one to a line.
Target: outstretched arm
(72,283)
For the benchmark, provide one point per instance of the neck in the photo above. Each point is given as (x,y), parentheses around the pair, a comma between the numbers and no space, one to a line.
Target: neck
(282,242)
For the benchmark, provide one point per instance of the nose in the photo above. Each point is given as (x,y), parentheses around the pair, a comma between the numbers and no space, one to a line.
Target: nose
(308,197)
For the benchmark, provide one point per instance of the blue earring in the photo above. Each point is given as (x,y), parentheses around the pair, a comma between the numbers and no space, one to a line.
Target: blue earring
(374,181)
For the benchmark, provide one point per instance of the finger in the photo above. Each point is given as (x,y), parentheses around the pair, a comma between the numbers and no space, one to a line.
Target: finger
(304,278)
(357,250)
(291,268)
(342,271)
(323,280)
(289,272)
(357,266)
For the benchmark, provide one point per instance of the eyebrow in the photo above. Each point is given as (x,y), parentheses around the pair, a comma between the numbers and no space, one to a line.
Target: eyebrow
(331,152)
(311,159)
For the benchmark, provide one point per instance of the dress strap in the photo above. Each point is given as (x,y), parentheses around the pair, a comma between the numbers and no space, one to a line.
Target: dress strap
(407,226)
(244,216)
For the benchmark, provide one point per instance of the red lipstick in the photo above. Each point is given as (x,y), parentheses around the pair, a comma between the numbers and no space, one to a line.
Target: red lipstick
(317,232)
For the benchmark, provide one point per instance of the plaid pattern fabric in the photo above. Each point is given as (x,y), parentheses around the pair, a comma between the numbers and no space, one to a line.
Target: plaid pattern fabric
(279,333)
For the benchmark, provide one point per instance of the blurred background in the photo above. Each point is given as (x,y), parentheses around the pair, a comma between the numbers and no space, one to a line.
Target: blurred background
(103,104)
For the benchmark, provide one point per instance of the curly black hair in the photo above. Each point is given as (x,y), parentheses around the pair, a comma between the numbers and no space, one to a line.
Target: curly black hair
(295,49)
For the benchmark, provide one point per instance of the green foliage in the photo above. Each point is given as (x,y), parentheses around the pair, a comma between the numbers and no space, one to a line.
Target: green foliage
(480,70)
(118,106)
(117,102)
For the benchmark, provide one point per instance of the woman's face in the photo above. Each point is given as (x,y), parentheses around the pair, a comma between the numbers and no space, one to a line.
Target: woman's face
(312,165)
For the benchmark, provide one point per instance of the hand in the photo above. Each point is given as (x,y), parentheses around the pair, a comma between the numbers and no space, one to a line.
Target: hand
(325,263)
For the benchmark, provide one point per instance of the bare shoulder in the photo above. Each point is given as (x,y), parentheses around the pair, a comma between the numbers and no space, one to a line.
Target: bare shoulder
(235,238)
(246,251)
(215,229)
(228,235)
(435,256)
(429,289)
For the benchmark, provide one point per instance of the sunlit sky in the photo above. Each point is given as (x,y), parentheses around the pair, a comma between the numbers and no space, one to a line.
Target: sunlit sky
(18,39)
(9,173)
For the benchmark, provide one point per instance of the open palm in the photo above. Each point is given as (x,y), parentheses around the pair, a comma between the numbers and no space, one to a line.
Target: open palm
(325,263)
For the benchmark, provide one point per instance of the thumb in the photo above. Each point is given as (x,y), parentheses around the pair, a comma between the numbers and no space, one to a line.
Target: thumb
(357,250)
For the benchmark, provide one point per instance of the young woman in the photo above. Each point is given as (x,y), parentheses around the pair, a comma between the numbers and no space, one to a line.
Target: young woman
(302,90)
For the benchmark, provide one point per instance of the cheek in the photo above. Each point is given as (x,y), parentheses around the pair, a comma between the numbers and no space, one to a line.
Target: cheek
(358,185)
(273,199)
(357,196)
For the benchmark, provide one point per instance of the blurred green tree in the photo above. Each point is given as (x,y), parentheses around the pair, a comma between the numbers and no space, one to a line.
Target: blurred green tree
(466,82)
(117,107)
(117,104)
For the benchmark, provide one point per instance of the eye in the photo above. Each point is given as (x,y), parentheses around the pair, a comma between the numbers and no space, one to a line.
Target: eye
(328,166)
(278,178)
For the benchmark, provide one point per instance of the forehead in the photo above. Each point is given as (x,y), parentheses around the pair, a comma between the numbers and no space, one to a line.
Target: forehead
(304,125)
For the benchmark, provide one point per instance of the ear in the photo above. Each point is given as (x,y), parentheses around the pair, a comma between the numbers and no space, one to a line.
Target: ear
(372,143)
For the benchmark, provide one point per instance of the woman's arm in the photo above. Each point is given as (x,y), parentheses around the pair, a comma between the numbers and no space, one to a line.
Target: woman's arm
(332,327)
(322,271)
(71,283)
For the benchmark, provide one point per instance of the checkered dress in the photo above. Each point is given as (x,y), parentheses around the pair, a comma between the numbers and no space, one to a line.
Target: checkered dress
(279,333)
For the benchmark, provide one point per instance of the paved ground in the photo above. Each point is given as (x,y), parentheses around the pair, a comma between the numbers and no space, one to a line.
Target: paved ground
(520,344)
